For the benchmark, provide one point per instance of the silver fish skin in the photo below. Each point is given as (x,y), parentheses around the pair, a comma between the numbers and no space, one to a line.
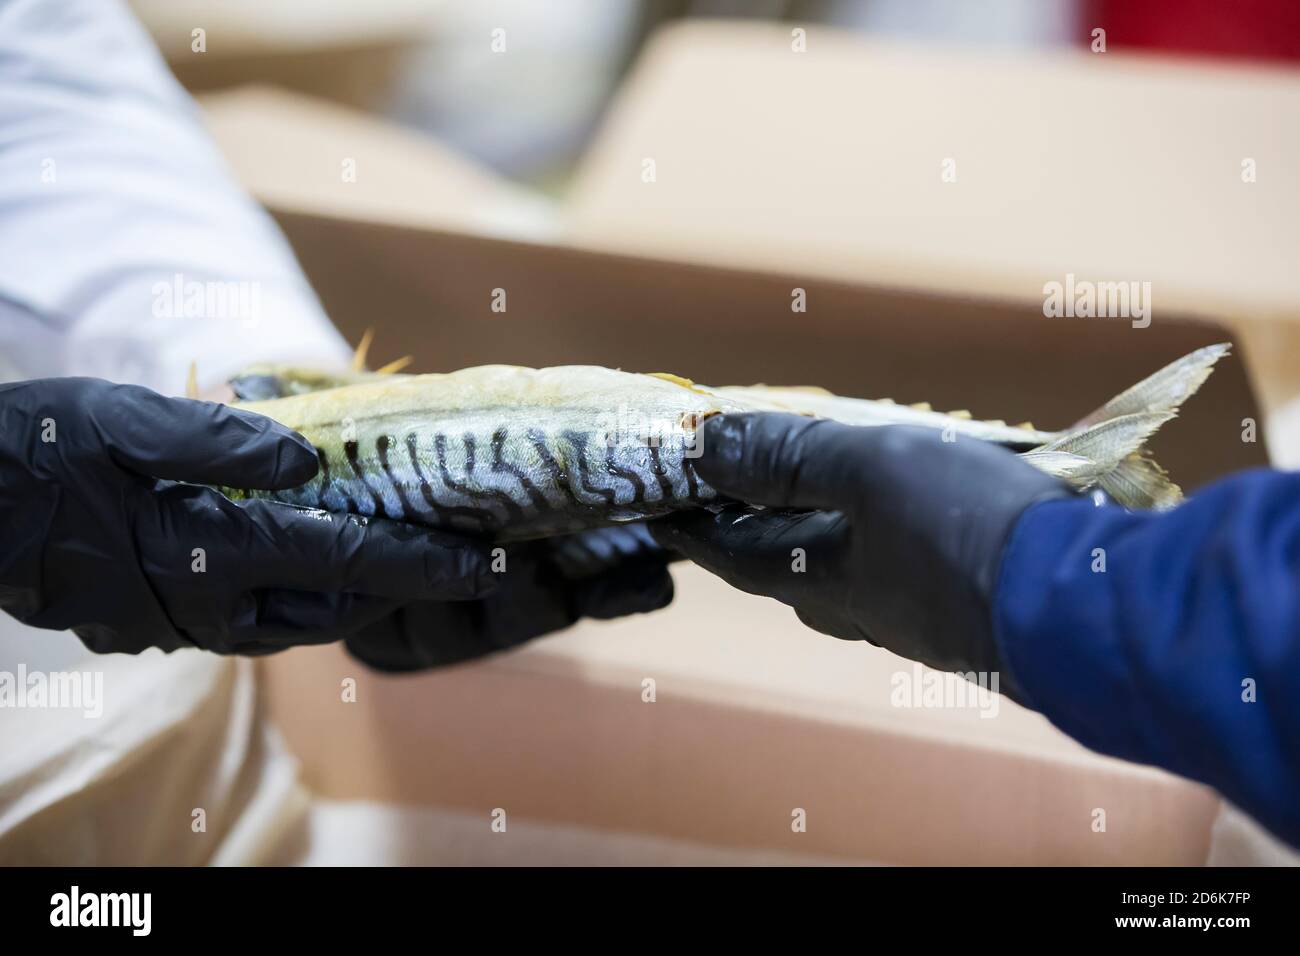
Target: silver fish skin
(502,452)
(514,453)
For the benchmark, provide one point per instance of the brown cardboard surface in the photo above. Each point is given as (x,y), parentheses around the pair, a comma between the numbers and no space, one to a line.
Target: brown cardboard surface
(238,27)
(547,737)
(828,163)
(350,53)
(289,150)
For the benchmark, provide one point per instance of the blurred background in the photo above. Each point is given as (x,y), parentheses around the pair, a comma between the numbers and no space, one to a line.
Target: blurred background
(430,64)
(651,181)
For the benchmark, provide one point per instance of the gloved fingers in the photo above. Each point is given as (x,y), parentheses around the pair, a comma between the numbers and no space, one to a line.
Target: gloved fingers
(418,637)
(429,634)
(636,587)
(533,600)
(795,461)
(313,550)
(836,619)
(192,538)
(943,470)
(274,619)
(201,442)
(784,461)
(784,555)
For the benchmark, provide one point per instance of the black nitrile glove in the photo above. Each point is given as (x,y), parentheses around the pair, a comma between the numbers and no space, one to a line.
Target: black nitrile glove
(98,540)
(903,547)
(543,588)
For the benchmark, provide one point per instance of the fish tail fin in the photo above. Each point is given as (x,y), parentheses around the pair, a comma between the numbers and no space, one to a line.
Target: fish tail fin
(1138,481)
(1106,448)
(1164,390)
(1090,456)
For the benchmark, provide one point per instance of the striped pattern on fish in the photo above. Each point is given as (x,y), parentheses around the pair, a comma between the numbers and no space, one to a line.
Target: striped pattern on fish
(502,484)
(503,452)
(514,453)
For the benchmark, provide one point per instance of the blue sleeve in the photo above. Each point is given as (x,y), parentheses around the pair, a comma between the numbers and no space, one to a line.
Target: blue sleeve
(1182,649)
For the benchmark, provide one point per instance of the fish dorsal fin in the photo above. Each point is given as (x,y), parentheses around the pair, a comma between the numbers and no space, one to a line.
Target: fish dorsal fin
(363,348)
(800,389)
(395,366)
(675,379)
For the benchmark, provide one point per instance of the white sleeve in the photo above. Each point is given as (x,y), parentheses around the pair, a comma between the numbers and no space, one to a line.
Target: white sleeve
(127,250)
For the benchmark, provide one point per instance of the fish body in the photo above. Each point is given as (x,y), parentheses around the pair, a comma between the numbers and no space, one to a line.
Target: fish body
(859,411)
(505,452)
(514,453)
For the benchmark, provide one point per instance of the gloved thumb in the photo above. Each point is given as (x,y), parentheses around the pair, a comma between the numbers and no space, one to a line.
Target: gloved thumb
(199,442)
(779,460)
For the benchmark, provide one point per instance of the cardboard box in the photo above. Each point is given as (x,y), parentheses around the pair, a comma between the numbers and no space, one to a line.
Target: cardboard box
(302,154)
(831,163)
(755,717)
(351,53)
(782,718)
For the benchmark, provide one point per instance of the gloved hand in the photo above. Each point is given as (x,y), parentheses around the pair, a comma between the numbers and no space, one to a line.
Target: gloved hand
(902,549)
(545,586)
(97,540)
(100,538)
